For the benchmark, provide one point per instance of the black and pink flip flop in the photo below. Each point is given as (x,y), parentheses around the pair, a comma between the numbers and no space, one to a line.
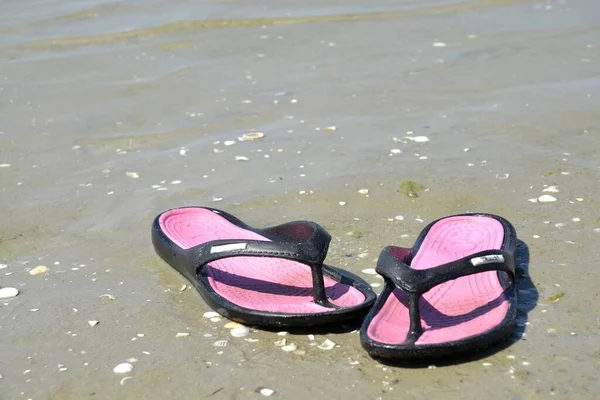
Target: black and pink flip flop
(454,291)
(270,277)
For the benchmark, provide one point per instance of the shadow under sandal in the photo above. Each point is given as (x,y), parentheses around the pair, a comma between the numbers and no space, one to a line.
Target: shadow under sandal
(272,277)
(454,291)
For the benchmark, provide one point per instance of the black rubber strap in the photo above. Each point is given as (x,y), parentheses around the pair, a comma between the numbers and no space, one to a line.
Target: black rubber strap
(304,242)
(393,265)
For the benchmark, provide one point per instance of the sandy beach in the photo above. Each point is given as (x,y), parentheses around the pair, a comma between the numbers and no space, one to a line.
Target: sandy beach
(114,111)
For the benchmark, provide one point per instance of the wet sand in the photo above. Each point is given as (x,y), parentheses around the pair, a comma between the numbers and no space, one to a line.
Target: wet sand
(113,113)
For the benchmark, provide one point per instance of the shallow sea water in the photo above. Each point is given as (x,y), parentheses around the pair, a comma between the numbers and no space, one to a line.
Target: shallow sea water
(113,111)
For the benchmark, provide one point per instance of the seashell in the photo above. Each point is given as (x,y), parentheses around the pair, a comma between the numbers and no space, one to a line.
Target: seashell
(266,392)
(421,139)
(289,347)
(327,345)
(251,136)
(211,314)
(231,325)
(239,332)
(123,368)
(182,334)
(369,271)
(546,198)
(551,189)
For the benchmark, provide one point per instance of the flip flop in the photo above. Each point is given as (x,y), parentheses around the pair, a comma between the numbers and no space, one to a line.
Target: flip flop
(267,277)
(453,291)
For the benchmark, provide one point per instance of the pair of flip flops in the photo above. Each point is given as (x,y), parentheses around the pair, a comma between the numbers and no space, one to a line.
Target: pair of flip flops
(453,291)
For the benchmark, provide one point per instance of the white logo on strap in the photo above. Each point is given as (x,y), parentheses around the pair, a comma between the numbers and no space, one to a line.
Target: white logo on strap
(228,247)
(492,258)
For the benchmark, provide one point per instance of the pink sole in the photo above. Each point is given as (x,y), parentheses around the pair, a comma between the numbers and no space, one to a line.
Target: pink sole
(257,283)
(457,309)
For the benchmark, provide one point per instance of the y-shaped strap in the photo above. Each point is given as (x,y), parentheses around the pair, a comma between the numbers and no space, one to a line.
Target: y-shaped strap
(393,265)
(302,241)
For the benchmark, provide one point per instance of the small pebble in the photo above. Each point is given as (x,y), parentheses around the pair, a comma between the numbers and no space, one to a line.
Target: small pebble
(421,139)
(93,323)
(123,368)
(342,203)
(439,44)
(133,175)
(42,269)
(8,293)
(229,142)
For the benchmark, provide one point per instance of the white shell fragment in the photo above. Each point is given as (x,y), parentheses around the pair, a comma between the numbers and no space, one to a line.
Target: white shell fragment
(369,271)
(289,347)
(133,175)
(241,158)
(93,323)
(239,332)
(229,142)
(220,343)
(211,314)
(546,198)
(8,292)
(182,334)
(123,368)
(421,139)
(363,191)
(231,325)
(327,345)
(251,136)
(266,392)
(551,189)
(107,296)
